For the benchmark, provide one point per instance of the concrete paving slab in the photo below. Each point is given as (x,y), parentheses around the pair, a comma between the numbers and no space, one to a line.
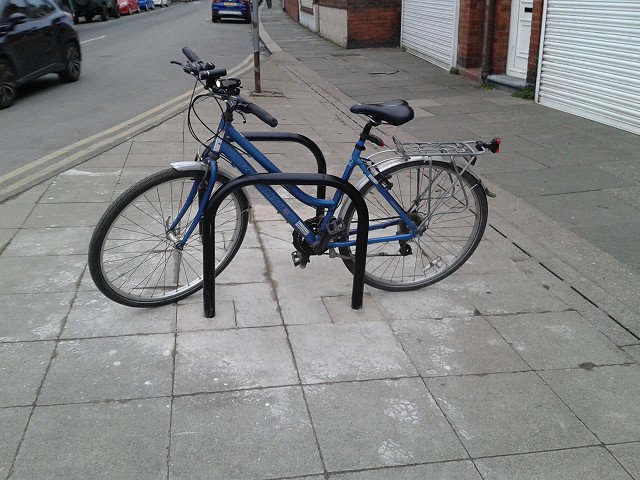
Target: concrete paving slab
(13,215)
(50,241)
(591,463)
(255,304)
(557,180)
(615,239)
(604,398)
(456,346)
(304,310)
(38,316)
(102,369)
(340,311)
(156,147)
(93,315)
(6,234)
(82,184)
(114,440)
(634,351)
(504,293)
(272,436)
(24,365)
(557,340)
(507,413)
(390,422)
(583,210)
(347,352)
(464,470)
(322,276)
(435,301)
(12,424)
(108,159)
(65,215)
(628,454)
(212,361)
(248,266)
(191,317)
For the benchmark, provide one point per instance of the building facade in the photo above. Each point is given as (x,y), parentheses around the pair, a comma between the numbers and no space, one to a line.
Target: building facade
(579,56)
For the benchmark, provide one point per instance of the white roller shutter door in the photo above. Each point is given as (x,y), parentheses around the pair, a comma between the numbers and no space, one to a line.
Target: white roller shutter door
(429,30)
(590,62)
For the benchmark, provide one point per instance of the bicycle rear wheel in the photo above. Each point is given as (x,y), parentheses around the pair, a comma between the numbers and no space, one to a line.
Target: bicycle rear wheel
(132,255)
(452,206)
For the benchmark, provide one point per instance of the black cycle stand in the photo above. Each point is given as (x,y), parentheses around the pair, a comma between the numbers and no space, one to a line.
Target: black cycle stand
(319,179)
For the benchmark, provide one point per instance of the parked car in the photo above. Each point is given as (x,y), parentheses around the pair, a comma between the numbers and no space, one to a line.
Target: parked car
(146,5)
(127,7)
(231,9)
(161,3)
(36,38)
(90,8)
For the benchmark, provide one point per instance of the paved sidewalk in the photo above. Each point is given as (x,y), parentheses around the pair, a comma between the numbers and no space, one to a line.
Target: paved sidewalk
(517,366)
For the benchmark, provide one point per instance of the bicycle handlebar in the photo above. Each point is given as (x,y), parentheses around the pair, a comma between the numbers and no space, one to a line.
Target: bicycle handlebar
(261,114)
(191,55)
(207,71)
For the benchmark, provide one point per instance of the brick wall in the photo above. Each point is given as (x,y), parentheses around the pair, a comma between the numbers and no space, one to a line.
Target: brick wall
(376,25)
(291,7)
(500,46)
(370,23)
(470,33)
(534,43)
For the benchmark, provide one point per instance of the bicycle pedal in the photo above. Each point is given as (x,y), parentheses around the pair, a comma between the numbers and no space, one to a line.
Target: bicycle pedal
(299,259)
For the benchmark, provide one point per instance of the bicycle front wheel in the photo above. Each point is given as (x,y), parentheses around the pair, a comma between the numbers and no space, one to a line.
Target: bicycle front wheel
(133,257)
(452,207)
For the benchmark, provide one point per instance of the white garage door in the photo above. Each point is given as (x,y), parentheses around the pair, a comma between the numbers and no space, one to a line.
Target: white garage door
(591,60)
(430,29)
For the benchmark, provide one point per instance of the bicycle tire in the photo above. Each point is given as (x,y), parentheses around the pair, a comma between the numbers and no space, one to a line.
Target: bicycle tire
(132,259)
(454,230)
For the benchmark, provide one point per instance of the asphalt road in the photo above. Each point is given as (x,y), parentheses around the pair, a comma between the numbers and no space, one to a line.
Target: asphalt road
(126,71)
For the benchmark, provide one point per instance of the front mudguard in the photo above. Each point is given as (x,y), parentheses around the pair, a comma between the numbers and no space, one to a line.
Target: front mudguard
(192,166)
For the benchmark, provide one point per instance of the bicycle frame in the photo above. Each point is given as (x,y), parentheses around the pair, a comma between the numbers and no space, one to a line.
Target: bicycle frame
(222,145)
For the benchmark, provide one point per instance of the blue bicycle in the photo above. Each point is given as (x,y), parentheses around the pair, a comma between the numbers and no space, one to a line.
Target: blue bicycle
(427,209)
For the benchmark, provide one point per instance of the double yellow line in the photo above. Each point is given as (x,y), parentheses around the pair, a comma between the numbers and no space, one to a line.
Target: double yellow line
(57,161)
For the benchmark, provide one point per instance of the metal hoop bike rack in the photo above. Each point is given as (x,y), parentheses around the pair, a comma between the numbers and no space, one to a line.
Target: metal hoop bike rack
(319,179)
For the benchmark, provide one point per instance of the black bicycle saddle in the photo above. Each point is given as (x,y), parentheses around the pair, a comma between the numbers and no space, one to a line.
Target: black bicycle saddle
(394,112)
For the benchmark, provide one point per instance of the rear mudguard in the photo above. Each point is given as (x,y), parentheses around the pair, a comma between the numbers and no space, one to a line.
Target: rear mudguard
(392,162)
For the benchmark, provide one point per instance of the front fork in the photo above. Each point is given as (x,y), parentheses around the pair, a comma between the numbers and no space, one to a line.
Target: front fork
(203,191)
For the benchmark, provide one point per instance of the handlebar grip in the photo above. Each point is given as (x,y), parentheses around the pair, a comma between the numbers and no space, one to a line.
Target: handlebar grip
(261,114)
(190,54)
(215,73)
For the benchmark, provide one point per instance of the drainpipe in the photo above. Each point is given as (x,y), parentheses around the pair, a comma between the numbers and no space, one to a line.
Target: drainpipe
(486,59)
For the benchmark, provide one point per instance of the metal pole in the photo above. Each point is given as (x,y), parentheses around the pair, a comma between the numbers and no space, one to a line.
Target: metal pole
(256,45)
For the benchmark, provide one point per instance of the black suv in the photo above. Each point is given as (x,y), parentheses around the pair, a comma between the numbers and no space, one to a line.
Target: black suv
(36,38)
(90,8)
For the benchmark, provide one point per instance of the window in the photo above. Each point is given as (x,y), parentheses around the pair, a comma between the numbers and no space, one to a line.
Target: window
(13,6)
(40,8)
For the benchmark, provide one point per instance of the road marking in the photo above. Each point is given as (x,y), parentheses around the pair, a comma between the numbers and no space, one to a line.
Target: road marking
(92,39)
(104,138)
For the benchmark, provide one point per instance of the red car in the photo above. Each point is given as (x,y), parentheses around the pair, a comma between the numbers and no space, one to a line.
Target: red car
(127,7)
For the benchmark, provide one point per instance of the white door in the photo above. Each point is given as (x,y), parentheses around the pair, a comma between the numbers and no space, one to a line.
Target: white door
(519,36)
